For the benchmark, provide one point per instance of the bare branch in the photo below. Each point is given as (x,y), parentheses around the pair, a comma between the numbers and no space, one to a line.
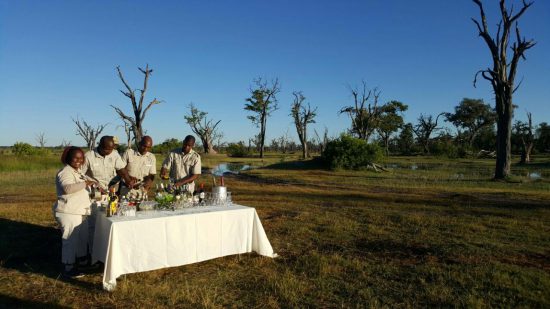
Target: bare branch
(124,116)
(155,101)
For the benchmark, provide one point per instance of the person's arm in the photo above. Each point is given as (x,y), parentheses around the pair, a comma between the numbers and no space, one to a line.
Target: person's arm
(187,179)
(166,166)
(129,180)
(121,171)
(195,172)
(148,181)
(69,185)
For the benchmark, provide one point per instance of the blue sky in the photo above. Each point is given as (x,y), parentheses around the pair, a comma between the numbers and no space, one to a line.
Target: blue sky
(58,60)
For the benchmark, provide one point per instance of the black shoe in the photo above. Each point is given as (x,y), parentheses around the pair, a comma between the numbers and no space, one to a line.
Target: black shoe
(73,274)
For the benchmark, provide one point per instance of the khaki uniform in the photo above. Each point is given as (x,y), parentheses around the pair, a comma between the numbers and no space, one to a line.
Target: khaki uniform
(72,204)
(138,165)
(102,168)
(180,165)
(76,201)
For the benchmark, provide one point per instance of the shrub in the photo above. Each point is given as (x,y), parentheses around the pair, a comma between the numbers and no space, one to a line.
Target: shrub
(445,149)
(122,148)
(167,146)
(350,153)
(21,148)
(237,150)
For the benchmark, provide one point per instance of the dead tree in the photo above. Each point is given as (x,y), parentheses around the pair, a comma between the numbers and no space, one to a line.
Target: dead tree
(136,121)
(128,131)
(525,133)
(41,139)
(424,129)
(284,140)
(204,128)
(302,117)
(322,142)
(88,133)
(364,115)
(262,102)
(502,75)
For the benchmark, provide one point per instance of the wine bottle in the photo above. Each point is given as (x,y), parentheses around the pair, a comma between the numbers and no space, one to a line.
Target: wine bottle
(201,193)
(113,199)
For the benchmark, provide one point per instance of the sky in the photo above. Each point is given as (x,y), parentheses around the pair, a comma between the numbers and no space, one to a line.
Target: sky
(58,61)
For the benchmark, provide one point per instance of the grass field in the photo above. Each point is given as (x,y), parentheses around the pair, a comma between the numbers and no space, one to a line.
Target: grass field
(429,232)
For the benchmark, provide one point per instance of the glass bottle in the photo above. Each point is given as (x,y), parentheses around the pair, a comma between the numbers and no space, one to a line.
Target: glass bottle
(201,193)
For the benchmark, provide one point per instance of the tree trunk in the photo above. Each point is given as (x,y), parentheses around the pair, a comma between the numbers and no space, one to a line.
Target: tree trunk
(504,134)
(208,146)
(526,153)
(262,134)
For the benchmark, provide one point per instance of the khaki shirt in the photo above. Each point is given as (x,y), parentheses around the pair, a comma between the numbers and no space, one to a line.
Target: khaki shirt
(139,165)
(77,203)
(102,168)
(180,165)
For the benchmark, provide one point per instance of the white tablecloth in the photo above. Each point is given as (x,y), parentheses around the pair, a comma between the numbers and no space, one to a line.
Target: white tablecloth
(159,239)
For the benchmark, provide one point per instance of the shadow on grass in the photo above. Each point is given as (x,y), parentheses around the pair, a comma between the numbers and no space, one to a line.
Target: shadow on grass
(12,302)
(532,165)
(30,248)
(466,202)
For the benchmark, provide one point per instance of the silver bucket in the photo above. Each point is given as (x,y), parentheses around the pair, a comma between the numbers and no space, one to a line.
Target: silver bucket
(219,192)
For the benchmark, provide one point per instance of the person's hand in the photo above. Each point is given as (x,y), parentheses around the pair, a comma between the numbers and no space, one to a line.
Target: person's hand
(91,183)
(130,182)
(179,183)
(147,184)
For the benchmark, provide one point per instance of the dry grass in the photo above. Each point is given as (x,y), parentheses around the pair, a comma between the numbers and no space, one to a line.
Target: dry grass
(345,239)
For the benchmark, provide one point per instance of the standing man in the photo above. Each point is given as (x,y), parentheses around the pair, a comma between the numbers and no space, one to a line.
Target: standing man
(103,164)
(141,164)
(183,165)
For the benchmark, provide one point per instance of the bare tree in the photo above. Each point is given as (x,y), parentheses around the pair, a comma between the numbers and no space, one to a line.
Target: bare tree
(41,139)
(217,136)
(322,142)
(424,129)
(64,143)
(128,131)
(364,115)
(88,133)
(136,121)
(204,128)
(525,133)
(502,75)
(302,117)
(284,141)
(262,102)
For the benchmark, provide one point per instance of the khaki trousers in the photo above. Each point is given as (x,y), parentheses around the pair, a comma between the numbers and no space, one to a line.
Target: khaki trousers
(74,238)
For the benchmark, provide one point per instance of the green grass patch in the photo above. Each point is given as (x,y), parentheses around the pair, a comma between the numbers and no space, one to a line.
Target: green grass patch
(442,235)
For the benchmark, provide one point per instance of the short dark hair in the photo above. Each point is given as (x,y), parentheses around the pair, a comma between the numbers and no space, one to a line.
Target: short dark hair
(69,153)
(105,139)
(189,138)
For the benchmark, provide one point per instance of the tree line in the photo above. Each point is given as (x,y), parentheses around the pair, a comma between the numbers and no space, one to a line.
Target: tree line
(473,120)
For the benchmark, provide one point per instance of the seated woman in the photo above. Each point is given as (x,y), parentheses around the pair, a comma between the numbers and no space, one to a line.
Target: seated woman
(71,210)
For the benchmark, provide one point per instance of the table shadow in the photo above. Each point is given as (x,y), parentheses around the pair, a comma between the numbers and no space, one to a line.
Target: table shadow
(12,302)
(30,248)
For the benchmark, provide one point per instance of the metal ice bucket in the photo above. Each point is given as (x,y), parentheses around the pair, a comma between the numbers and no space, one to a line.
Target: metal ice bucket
(219,192)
